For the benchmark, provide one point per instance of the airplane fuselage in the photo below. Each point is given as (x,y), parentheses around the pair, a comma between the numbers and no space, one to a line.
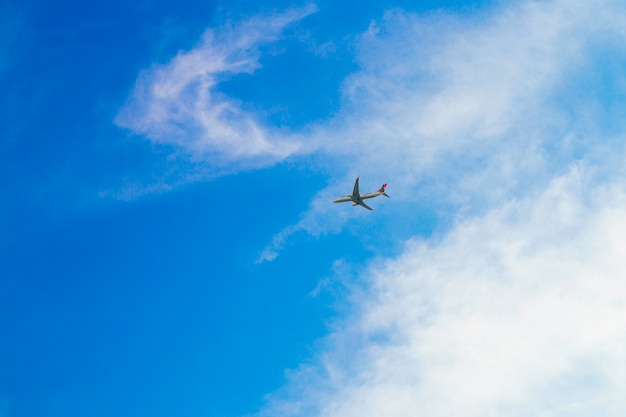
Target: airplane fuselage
(349,197)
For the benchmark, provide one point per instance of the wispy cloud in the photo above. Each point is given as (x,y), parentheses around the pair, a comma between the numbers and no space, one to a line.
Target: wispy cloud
(177,103)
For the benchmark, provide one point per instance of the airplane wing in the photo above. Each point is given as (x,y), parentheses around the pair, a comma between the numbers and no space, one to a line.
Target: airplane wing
(355,192)
(364,205)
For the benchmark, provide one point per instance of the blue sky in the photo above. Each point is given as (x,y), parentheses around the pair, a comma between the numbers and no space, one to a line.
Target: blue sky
(168,245)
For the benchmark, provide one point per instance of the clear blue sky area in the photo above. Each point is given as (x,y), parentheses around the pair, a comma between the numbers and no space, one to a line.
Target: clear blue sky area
(157,307)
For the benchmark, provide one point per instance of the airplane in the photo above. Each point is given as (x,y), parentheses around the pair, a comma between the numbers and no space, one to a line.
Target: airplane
(357,199)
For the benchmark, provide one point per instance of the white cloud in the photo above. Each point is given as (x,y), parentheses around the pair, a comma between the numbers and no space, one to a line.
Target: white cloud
(520,312)
(178,104)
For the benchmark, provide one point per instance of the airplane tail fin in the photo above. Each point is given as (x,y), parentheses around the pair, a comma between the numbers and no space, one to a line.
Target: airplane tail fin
(382,190)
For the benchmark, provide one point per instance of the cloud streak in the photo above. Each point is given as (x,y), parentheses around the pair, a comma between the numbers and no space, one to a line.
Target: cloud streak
(178,104)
